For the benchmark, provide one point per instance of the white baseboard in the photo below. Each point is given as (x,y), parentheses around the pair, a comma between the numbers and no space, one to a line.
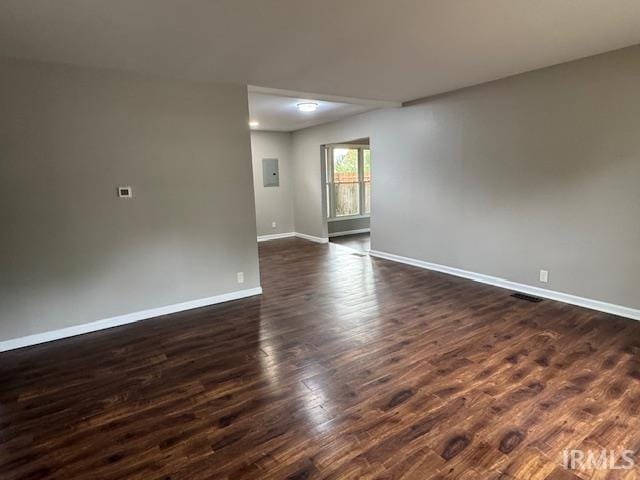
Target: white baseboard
(520,287)
(349,232)
(312,238)
(124,319)
(275,236)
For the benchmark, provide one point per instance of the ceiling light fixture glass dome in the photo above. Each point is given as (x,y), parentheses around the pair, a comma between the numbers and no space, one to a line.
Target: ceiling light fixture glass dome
(307,107)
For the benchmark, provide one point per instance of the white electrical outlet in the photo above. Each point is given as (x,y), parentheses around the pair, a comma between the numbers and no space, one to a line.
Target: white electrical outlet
(125,192)
(273,224)
(240,277)
(544,276)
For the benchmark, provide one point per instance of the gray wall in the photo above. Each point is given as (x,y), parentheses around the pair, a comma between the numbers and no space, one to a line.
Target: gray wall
(273,204)
(74,253)
(537,171)
(348,225)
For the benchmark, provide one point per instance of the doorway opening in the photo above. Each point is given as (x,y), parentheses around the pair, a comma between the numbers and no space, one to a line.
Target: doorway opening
(347,191)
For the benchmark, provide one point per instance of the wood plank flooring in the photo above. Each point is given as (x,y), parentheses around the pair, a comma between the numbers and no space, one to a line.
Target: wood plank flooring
(347,367)
(358,241)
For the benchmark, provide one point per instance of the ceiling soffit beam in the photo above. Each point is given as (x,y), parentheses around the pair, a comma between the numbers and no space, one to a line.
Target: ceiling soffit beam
(326,98)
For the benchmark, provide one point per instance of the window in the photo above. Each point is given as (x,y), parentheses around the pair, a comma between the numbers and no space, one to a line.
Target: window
(348,174)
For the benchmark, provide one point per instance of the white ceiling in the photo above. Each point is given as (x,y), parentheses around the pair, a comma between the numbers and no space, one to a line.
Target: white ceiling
(378,49)
(277,110)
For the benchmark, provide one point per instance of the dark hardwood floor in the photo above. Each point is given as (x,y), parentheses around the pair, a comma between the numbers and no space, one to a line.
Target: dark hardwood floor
(358,241)
(347,367)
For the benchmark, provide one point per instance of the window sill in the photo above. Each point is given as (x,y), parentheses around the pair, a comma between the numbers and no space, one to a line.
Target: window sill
(352,217)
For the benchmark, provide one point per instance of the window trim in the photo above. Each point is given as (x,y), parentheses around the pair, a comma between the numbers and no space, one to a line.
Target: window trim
(330,184)
(348,217)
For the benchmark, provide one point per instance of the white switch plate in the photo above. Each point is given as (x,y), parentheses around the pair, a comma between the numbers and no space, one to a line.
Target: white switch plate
(240,277)
(544,276)
(273,224)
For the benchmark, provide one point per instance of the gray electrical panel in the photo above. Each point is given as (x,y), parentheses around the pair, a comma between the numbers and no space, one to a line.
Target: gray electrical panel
(270,175)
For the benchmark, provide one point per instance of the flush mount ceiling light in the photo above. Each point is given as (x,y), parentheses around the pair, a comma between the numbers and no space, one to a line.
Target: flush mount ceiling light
(254,124)
(307,107)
